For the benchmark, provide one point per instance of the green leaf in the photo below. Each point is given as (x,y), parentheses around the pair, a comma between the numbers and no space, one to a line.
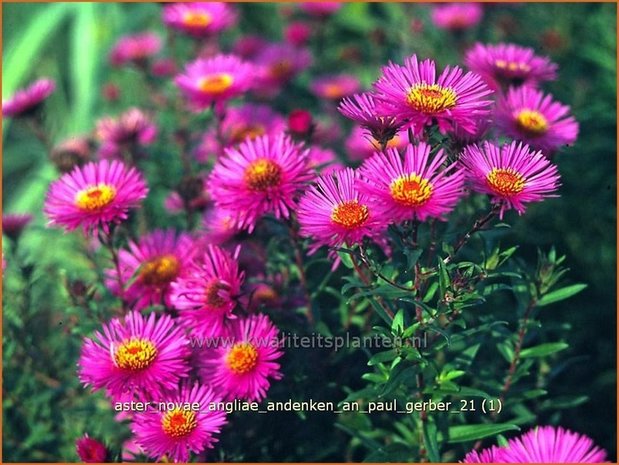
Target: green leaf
(543,350)
(429,438)
(346,258)
(464,433)
(560,294)
(382,357)
(397,326)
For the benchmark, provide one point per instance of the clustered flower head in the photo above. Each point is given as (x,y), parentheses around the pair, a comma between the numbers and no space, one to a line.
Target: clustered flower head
(421,141)
(542,444)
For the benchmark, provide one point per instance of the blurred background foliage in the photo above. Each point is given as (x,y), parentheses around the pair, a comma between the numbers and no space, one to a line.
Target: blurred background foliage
(45,409)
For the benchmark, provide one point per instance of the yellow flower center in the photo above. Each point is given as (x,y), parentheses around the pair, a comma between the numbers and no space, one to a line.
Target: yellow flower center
(177,423)
(216,83)
(211,294)
(262,174)
(281,70)
(512,66)
(350,215)
(431,98)
(246,132)
(411,190)
(95,198)
(333,91)
(242,358)
(160,270)
(532,122)
(394,142)
(197,19)
(505,181)
(135,354)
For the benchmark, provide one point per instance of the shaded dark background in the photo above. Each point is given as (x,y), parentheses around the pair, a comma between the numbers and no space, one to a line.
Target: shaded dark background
(45,409)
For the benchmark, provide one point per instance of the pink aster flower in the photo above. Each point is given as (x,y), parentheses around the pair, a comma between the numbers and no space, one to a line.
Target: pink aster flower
(509,64)
(298,33)
(220,225)
(278,63)
(362,109)
(240,124)
(142,356)
(206,294)
(241,366)
(95,194)
(150,266)
(528,115)
(13,224)
(335,87)
(179,430)
(135,49)
(414,186)
(27,101)
(260,176)
(413,92)
(334,213)
(484,456)
(512,174)
(90,450)
(457,16)
(324,160)
(71,152)
(199,19)
(131,129)
(548,444)
(248,46)
(320,8)
(217,79)
(360,144)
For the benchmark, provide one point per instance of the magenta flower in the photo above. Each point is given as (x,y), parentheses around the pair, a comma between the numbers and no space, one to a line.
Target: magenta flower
(484,456)
(135,49)
(240,124)
(13,224)
(413,92)
(298,33)
(335,87)
(141,357)
(206,294)
(94,195)
(90,450)
(150,266)
(260,176)
(324,160)
(212,80)
(320,9)
(199,19)
(528,115)
(334,213)
(512,174)
(509,64)
(177,431)
(457,16)
(27,101)
(240,366)
(361,144)
(549,444)
(220,225)
(278,63)
(362,109)
(400,189)
(133,128)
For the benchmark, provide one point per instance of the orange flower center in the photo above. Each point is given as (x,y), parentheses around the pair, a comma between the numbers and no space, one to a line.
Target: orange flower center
(246,132)
(394,142)
(281,70)
(177,423)
(216,83)
(431,98)
(160,270)
(333,91)
(197,19)
(350,215)
(505,181)
(532,122)
(212,296)
(242,358)
(512,66)
(263,174)
(135,354)
(95,198)
(411,190)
